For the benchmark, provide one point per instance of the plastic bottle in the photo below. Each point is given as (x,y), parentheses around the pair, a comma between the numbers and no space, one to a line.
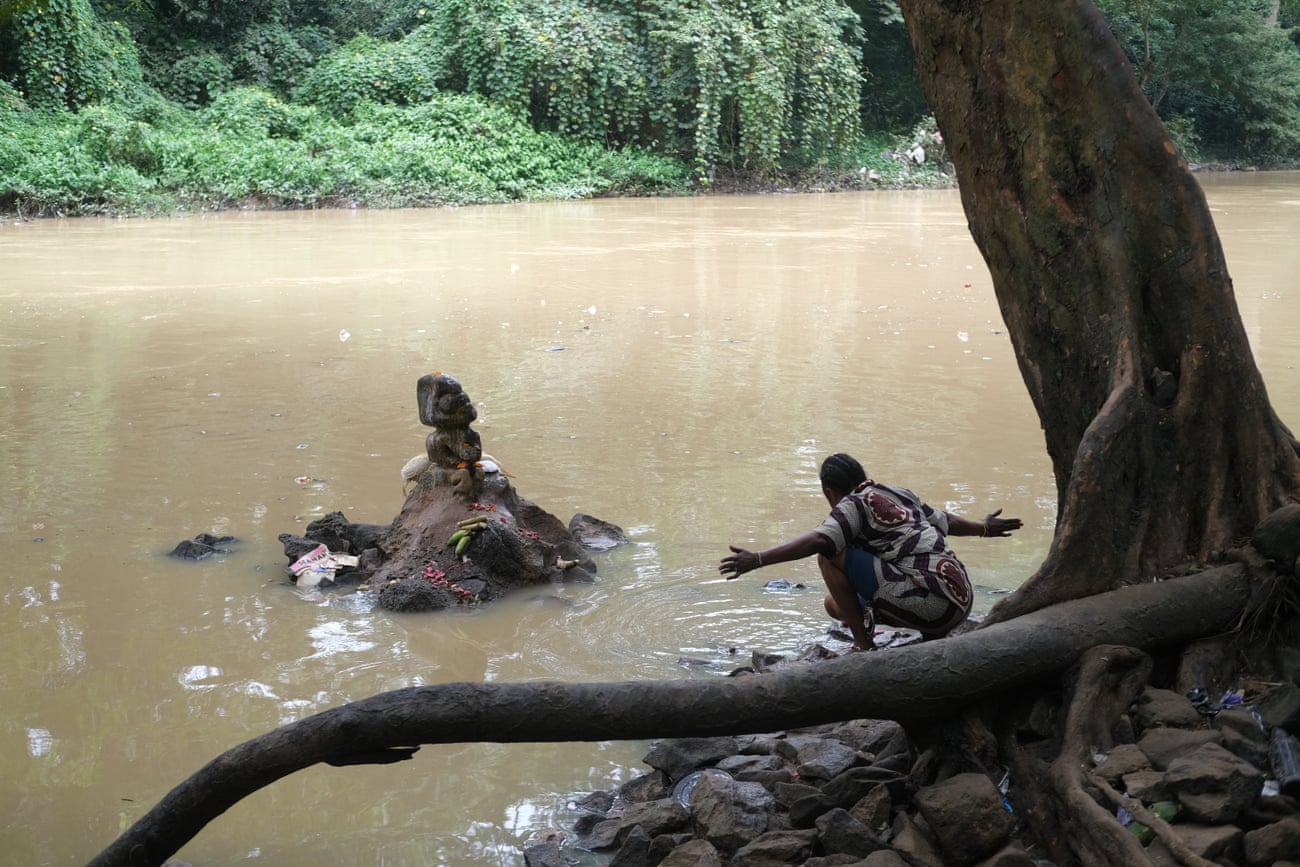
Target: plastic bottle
(1284,755)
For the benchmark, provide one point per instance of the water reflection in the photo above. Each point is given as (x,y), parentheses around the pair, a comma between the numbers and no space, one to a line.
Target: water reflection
(676,367)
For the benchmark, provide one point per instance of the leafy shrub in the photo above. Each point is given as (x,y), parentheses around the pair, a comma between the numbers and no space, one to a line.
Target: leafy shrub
(67,57)
(274,56)
(45,168)
(108,136)
(11,98)
(461,149)
(151,108)
(452,149)
(367,69)
(252,112)
(194,79)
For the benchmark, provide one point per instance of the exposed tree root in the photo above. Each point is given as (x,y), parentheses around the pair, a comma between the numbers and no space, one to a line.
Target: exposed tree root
(1162,829)
(918,685)
(1107,680)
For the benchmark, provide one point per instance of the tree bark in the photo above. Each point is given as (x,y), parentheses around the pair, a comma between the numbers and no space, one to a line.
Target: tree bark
(1111,278)
(919,683)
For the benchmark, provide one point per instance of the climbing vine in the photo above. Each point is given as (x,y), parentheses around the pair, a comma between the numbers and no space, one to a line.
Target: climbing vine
(744,82)
(374,70)
(67,57)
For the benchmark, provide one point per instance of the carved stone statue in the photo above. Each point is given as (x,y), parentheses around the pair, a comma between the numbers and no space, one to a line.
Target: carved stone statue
(454,448)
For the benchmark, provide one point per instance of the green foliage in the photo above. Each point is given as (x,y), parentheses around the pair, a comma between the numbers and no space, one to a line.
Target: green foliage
(66,57)
(368,69)
(214,20)
(11,99)
(254,113)
(250,147)
(493,100)
(1219,64)
(762,78)
(274,56)
(108,136)
(194,79)
(891,92)
(44,159)
(752,83)
(1182,132)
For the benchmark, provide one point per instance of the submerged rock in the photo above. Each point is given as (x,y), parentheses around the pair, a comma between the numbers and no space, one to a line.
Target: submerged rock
(202,546)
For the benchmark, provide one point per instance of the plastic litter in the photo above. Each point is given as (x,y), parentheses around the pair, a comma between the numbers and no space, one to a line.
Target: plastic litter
(1284,756)
(1200,699)
(319,564)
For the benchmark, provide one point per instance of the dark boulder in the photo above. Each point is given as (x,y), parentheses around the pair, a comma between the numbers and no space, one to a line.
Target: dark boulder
(202,546)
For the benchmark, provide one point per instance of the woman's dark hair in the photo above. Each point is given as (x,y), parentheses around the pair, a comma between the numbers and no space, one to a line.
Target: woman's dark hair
(842,473)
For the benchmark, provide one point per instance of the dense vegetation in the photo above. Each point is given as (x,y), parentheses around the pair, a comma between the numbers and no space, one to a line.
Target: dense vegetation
(156,105)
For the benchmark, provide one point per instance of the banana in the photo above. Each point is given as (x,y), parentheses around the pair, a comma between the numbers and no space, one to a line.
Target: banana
(456,537)
(460,546)
(473,522)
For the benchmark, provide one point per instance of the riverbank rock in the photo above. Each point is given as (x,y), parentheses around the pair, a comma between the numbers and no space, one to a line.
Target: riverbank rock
(847,794)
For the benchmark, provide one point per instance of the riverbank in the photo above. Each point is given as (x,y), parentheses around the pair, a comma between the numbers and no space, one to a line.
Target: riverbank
(1190,781)
(895,175)
(1181,778)
(249,152)
(889,170)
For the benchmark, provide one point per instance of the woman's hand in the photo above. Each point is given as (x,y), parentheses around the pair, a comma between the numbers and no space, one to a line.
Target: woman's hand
(995,526)
(740,562)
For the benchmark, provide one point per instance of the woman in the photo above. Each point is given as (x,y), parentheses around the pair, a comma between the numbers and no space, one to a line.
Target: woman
(884,555)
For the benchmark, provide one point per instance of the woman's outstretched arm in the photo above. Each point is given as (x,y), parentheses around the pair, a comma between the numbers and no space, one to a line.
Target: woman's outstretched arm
(805,545)
(992,525)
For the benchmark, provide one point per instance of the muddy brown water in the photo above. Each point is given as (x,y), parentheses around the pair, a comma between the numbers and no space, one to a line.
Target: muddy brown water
(677,367)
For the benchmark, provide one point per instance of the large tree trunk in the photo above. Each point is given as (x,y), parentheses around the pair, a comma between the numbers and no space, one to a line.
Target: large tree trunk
(1110,276)
(921,683)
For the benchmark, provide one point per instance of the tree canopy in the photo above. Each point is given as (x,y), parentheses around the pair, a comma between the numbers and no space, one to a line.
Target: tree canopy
(1219,71)
(758,85)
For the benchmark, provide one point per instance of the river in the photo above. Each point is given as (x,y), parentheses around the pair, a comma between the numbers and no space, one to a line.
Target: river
(678,367)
